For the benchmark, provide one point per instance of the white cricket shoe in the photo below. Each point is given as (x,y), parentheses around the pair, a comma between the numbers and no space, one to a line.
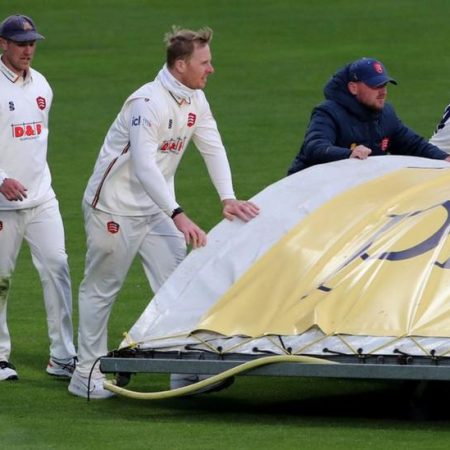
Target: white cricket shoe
(179,380)
(7,371)
(81,386)
(61,368)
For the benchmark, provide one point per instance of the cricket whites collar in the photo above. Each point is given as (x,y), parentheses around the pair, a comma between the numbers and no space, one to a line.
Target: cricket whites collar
(12,76)
(179,91)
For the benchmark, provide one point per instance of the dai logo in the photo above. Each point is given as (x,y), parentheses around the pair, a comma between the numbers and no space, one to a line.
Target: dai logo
(41,102)
(26,130)
(191,119)
(113,227)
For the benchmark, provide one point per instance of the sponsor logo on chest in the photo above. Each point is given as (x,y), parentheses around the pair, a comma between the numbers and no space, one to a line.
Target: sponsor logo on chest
(29,130)
(173,145)
(138,121)
(176,145)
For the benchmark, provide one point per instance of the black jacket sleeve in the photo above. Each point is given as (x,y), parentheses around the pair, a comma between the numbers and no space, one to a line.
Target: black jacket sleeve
(406,142)
(319,145)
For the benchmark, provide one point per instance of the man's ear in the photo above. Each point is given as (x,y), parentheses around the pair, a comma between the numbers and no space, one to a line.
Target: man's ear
(3,43)
(180,65)
(352,87)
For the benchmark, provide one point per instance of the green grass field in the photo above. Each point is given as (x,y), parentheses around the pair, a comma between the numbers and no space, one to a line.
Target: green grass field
(272,59)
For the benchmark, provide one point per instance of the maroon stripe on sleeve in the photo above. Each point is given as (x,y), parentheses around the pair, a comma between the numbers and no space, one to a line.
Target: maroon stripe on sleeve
(105,175)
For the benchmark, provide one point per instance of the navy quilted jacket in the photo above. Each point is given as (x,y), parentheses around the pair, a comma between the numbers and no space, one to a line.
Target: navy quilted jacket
(341,122)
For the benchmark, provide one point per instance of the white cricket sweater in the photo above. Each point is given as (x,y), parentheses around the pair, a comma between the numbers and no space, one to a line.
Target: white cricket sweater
(134,172)
(441,136)
(24,109)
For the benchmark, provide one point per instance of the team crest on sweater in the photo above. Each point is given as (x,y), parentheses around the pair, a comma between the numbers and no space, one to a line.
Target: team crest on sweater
(191,120)
(41,102)
(384,144)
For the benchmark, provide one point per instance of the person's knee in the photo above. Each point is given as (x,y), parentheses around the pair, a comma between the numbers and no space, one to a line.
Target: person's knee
(54,262)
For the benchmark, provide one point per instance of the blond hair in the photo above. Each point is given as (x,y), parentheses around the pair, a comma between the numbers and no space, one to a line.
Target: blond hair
(181,43)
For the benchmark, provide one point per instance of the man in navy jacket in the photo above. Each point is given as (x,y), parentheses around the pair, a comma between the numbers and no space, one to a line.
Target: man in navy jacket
(356,122)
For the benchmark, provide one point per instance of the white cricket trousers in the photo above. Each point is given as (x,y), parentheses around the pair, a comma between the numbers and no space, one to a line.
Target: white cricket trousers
(42,228)
(113,241)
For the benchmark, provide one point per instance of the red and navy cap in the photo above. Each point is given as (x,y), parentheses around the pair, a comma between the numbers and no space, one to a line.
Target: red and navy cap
(19,28)
(370,71)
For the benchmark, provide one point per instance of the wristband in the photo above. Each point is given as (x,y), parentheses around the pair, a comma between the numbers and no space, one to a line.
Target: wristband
(175,212)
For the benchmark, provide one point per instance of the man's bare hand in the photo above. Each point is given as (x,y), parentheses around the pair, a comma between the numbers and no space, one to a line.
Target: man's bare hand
(360,152)
(13,190)
(193,234)
(245,210)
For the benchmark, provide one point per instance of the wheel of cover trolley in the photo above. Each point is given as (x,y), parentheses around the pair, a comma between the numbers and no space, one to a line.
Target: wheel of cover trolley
(123,378)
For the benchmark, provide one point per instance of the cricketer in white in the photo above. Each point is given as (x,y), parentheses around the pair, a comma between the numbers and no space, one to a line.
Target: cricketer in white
(441,135)
(28,206)
(129,203)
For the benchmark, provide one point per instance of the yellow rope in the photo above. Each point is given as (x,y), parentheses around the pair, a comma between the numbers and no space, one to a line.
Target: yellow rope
(193,388)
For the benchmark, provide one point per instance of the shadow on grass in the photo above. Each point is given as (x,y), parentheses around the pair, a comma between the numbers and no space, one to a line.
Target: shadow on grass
(317,398)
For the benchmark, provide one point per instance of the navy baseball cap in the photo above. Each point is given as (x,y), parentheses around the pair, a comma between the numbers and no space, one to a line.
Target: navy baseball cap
(19,28)
(370,71)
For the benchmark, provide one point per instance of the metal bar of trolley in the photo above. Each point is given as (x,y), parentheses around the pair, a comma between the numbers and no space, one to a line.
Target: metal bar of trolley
(389,368)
